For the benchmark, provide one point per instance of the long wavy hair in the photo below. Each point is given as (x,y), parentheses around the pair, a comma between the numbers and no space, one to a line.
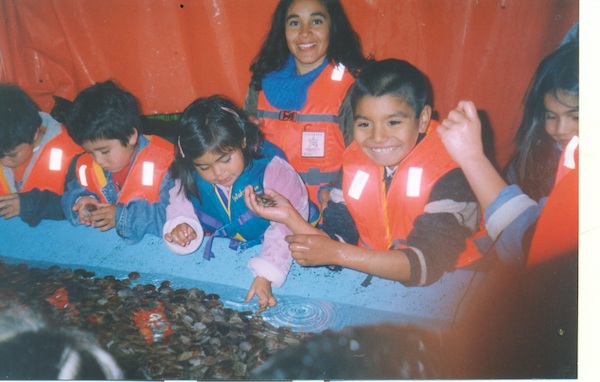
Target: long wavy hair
(216,125)
(534,163)
(344,43)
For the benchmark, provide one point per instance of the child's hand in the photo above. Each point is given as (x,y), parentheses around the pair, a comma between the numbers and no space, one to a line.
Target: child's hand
(104,218)
(279,212)
(461,133)
(83,210)
(261,287)
(313,250)
(182,234)
(324,197)
(10,206)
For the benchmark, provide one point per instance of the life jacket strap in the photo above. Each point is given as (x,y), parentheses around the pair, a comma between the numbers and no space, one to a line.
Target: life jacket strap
(315,177)
(292,116)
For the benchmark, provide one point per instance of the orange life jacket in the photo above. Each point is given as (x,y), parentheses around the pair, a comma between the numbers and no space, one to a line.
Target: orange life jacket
(144,178)
(50,168)
(557,229)
(385,220)
(311,138)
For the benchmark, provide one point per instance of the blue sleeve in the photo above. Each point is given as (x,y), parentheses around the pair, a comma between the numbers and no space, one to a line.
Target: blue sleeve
(507,220)
(73,191)
(140,217)
(36,205)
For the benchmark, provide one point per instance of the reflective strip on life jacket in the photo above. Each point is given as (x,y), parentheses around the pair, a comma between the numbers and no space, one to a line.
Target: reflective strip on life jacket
(413,184)
(55,159)
(147,173)
(82,176)
(569,153)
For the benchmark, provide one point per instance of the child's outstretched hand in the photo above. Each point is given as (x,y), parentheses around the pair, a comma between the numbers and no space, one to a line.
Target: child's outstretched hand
(104,217)
(84,207)
(313,250)
(261,287)
(10,206)
(182,234)
(278,209)
(461,133)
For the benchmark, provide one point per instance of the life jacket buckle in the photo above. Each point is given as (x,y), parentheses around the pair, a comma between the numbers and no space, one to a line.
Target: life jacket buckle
(287,115)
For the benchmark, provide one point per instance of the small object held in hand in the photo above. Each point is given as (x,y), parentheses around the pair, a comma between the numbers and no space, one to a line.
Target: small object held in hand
(88,208)
(265,200)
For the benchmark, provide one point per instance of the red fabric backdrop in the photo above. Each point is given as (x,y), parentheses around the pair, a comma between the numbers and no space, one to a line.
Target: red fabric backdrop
(168,53)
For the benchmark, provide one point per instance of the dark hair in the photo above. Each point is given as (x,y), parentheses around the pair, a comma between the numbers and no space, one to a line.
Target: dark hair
(19,118)
(31,349)
(104,111)
(392,77)
(344,43)
(382,351)
(212,125)
(536,155)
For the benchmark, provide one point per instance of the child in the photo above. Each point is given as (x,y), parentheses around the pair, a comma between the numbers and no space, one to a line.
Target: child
(220,153)
(300,76)
(540,139)
(549,131)
(122,179)
(35,152)
(409,203)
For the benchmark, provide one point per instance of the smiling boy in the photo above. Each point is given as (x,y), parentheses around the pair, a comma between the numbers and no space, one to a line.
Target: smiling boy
(403,209)
(122,174)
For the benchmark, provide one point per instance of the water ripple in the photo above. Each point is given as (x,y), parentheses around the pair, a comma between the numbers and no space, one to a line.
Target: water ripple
(301,315)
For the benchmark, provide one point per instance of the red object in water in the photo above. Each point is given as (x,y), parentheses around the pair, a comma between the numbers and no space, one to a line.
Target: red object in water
(153,324)
(60,300)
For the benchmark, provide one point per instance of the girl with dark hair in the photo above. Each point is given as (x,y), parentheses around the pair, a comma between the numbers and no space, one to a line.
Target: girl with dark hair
(535,218)
(544,132)
(300,76)
(220,152)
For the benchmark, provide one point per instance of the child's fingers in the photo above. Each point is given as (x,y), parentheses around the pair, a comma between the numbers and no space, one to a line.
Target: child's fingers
(470,110)
(168,237)
(249,295)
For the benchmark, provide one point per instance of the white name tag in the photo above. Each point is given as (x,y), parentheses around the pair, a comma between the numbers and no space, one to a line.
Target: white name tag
(358,184)
(313,144)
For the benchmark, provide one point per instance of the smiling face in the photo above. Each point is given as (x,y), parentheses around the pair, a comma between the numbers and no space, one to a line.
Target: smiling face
(220,168)
(307,33)
(561,118)
(110,154)
(386,128)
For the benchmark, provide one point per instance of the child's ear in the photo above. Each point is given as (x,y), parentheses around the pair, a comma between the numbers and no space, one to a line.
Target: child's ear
(424,119)
(133,138)
(244,143)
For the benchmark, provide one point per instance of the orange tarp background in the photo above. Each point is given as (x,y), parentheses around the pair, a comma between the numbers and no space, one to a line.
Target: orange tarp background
(167,53)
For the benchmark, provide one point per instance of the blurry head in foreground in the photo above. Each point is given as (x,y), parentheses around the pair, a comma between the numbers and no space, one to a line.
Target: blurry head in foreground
(30,350)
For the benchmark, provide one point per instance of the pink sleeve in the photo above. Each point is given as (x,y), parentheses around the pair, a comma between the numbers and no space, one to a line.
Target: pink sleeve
(180,210)
(275,260)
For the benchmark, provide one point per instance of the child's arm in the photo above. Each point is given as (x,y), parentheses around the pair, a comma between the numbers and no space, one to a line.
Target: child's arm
(461,134)
(434,243)
(274,260)
(509,213)
(71,199)
(181,222)
(140,217)
(36,205)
